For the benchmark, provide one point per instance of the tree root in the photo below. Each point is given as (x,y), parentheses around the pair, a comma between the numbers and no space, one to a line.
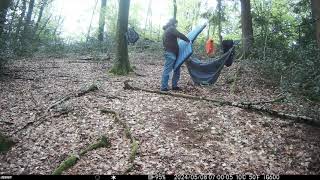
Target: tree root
(91,88)
(67,164)
(6,122)
(103,142)
(134,143)
(40,120)
(244,105)
(109,96)
(43,118)
(72,160)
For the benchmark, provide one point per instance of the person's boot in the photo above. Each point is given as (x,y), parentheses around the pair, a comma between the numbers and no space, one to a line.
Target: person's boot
(164,89)
(176,89)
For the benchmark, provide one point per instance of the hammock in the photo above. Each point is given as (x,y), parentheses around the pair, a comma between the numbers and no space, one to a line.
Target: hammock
(208,73)
(204,73)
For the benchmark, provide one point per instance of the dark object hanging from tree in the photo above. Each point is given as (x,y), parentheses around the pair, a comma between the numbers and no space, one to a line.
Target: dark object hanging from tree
(226,46)
(132,36)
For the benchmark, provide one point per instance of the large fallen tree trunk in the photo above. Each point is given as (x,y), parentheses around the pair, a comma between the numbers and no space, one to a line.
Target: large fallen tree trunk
(244,105)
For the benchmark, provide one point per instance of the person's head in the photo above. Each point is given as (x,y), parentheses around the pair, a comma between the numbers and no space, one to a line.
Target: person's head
(172,22)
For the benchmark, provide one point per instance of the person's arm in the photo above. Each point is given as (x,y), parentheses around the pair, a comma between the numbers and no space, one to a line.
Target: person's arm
(180,35)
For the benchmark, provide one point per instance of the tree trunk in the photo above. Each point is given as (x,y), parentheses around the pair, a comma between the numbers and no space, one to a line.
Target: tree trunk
(29,16)
(219,6)
(196,14)
(102,20)
(22,15)
(27,26)
(246,22)
(148,18)
(14,15)
(175,9)
(208,32)
(4,5)
(315,6)
(122,65)
(89,29)
(43,5)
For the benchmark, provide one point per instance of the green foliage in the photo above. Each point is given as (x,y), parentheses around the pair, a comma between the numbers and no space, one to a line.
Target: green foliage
(103,142)
(5,144)
(285,51)
(72,160)
(120,70)
(65,165)
(294,69)
(134,149)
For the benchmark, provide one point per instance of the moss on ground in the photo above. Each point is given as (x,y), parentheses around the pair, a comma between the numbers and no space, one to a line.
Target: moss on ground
(68,163)
(72,160)
(103,142)
(5,144)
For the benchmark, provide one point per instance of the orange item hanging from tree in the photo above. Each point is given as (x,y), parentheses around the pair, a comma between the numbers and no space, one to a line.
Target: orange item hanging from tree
(210,48)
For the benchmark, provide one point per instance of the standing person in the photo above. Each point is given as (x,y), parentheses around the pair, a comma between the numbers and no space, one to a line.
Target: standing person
(170,43)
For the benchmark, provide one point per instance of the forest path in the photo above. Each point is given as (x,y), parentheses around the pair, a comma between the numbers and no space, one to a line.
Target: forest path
(175,135)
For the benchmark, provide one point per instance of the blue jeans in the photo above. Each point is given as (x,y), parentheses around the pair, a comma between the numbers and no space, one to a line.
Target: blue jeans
(170,60)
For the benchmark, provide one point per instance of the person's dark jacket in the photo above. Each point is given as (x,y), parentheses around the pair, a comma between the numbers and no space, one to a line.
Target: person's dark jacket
(170,39)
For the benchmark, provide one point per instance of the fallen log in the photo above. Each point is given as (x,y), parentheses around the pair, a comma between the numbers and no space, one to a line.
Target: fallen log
(134,142)
(73,159)
(244,105)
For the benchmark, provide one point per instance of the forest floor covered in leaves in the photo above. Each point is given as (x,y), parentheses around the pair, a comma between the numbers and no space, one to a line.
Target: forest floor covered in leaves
(174,135)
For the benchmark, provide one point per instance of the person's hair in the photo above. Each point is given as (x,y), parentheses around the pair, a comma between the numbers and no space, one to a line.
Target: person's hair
(170,23)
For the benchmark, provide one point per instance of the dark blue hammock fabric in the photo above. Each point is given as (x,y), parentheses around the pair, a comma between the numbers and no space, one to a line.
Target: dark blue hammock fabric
(204,73)
(207,73)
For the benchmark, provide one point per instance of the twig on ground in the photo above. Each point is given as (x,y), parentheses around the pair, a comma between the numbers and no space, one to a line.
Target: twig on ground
(244,105)
(6,122)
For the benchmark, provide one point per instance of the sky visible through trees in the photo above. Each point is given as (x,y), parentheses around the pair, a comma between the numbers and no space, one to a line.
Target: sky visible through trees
(77,14)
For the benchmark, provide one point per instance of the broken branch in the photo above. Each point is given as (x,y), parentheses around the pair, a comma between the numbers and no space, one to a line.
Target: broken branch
(244,105)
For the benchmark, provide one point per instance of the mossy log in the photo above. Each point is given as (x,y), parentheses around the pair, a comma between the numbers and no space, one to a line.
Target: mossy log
(5,144)
(103,142)
(252,106)
(72,160)
(134,142)
(65,165)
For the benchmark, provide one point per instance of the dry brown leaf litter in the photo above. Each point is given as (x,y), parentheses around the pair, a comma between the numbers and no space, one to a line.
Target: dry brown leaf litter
(175,135)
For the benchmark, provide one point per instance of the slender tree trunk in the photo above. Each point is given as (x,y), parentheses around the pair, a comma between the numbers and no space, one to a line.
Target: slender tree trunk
(246,22)
(22,15)
(196,14)
(42,28)
(102,19)
(27,31)
(4,5)
(42,7)
(147,22)
(219,6)
(315,6)
(89,29)
(208,32)
(29,17)
(13,16)
(122,65)
(175,9)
